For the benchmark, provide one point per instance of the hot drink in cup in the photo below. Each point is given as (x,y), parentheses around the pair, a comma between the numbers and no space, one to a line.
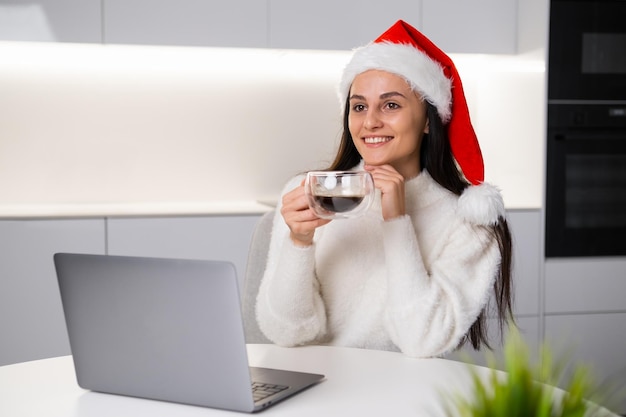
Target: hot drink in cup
(339,194)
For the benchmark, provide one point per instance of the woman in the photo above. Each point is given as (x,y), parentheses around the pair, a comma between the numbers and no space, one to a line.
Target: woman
(415,273)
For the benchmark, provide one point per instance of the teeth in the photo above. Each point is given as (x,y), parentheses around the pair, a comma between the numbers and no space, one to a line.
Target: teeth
(377,140)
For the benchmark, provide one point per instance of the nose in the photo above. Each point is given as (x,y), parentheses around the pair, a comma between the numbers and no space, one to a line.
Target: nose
(372,120)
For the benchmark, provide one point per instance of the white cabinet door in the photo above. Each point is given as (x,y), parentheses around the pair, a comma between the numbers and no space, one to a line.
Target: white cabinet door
(480,26)
(32,325)
(456,26)
(526,232)
(585,285)
(330,24)
(595,340)
(51,20)
(235,23)
(213,237)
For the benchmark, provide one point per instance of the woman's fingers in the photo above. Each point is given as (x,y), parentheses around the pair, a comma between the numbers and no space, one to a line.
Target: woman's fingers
(300,219)
(391,185)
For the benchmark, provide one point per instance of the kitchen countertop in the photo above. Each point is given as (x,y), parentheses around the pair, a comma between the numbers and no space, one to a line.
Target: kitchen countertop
(146,209)
(87,210)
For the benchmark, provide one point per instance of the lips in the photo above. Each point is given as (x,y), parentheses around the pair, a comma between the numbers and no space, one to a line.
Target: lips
(376,140)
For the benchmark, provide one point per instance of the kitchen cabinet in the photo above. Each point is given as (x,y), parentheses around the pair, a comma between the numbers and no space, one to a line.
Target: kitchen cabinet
(31,317)
(485,26)
(232,23)
(594,340)
(585,313)
(482,26)
(51,21)
(329,24)
(31,321)
(211,237)
(32,325)
(525,226)
(585,285)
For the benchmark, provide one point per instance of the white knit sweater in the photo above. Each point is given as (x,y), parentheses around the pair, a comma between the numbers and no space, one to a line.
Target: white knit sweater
(414,284)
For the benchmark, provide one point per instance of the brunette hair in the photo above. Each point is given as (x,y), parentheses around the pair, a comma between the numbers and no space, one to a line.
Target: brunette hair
(436,157)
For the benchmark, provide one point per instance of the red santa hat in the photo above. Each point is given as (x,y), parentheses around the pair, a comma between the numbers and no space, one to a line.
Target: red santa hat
(404,51)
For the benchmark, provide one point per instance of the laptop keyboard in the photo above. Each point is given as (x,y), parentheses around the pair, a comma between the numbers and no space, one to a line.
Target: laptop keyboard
(262,390)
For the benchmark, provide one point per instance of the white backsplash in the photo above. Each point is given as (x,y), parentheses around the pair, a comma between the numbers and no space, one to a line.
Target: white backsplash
(95,124)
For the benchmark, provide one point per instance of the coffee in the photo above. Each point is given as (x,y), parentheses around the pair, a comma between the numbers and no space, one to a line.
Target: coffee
(338,204)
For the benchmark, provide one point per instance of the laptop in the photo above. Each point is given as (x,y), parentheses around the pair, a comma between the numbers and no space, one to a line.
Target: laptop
(165,329)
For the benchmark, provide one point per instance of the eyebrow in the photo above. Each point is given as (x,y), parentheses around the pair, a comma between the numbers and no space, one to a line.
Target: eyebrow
(382,96)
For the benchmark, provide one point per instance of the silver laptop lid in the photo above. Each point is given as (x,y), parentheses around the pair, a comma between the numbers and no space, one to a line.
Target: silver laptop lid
(164,329)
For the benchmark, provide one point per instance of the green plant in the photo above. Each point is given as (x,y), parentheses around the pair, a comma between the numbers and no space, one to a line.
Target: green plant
(527,390)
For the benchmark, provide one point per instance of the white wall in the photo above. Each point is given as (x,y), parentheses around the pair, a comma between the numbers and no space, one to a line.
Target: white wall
(92,123)
(123,124)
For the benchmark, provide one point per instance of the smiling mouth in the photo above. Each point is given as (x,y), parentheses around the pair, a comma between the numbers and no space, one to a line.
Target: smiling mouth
(378,139)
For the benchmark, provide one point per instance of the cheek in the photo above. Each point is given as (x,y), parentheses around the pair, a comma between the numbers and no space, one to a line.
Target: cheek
(419,126)
(415,132)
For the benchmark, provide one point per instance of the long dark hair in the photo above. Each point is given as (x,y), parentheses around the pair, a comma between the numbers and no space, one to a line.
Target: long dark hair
(436,157)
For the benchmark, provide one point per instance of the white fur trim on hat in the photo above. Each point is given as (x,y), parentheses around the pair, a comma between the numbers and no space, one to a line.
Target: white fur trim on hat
(481,204)
(424,74)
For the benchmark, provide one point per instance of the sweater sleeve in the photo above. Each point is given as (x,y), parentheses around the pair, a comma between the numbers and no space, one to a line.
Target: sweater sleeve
(289,308)
(430,310)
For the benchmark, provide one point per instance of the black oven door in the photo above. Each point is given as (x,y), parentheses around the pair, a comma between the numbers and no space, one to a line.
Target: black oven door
(586,192)
(587,50)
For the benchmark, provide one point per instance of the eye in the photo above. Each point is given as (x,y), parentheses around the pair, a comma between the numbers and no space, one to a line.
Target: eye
(357,108)
(391,105)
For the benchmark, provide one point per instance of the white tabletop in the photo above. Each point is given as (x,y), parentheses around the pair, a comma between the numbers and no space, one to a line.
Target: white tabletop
(358,382)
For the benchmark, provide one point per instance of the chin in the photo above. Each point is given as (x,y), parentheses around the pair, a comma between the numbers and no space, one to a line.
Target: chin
(376,162)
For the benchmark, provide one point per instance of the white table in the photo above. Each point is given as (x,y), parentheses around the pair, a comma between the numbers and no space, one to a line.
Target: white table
(358,383)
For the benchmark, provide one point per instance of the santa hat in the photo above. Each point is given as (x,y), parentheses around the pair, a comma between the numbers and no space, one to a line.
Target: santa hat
(404,51)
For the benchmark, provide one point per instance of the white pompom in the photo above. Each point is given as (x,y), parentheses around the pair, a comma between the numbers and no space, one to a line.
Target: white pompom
(481,204)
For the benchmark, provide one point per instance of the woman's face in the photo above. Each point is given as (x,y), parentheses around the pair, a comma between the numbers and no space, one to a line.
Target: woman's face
(387,121)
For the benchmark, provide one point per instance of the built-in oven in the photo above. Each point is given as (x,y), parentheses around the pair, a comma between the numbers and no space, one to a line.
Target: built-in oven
(586,137)
(586,181)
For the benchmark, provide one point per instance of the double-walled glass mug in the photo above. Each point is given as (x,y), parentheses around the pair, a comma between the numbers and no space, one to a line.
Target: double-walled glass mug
(339,194)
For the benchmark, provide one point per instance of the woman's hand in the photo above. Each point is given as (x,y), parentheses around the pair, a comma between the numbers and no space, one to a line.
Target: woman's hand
(300,219)
(391,186)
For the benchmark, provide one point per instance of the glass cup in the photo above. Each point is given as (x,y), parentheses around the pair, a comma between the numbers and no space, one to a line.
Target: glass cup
(339,194)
